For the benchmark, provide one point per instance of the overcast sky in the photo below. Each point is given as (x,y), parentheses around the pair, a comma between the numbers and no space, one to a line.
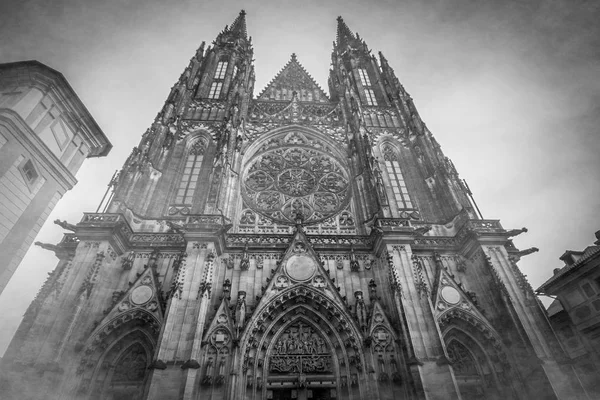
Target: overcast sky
(510,89)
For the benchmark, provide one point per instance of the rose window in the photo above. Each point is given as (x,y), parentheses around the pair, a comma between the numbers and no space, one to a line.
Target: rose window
(284,181)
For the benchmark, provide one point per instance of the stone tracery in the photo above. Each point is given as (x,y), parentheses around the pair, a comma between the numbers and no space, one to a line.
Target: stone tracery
(287,179)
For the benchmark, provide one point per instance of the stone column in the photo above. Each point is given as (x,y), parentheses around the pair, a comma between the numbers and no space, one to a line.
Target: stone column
(562,378)
(429,363)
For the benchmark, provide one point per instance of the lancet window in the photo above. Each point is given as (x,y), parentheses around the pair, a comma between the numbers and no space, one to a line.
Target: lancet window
(191,172)
(366,83)
(218,79)
(392,167)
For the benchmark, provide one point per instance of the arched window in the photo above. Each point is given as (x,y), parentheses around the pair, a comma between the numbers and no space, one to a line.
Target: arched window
(366,83)
(218,79)
(191,172)
(392,167)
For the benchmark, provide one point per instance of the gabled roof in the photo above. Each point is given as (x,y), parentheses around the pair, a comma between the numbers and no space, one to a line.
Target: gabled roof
(293,77)
(587,255)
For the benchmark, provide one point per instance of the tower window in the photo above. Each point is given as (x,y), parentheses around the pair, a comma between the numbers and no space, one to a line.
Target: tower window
(366,83)
(370,97)
(191,172)
(392,166)
(217,85)
(364,78)
(221,70)
(29,171)
(215,90)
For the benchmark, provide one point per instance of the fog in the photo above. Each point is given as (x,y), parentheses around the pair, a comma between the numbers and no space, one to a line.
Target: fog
(510,89)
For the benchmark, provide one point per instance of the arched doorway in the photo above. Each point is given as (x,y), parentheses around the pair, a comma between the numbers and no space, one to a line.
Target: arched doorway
(328,364)
(121,371)
(128,374)
(300,364)
(467,371)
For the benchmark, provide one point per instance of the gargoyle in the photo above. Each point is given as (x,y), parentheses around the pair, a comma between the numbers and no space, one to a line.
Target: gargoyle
(515,232)
(420,231)
(65,225)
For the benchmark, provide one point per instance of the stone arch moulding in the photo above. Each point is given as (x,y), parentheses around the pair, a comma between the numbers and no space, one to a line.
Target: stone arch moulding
(97,367)
(114,329)
(296,304)
(311,134)
(481,339)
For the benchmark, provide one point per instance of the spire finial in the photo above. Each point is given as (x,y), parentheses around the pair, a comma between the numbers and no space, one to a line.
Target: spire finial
(343,32)
(293,57)
(239,25)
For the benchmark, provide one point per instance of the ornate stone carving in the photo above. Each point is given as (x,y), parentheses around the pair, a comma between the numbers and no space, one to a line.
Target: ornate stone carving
(300,350)
(283,181)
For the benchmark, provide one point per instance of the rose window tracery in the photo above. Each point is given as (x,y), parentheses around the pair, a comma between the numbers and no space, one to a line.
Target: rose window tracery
(281,182)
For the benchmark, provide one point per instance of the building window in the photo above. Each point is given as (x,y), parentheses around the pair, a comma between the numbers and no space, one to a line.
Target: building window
(589,291)
(218,79)
(366,83)
(29,172)
(392,167)
(221,70)
(215,90)
(191,172)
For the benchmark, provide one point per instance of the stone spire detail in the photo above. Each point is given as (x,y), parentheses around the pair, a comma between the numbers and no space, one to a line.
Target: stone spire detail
(344,36)
(238,27)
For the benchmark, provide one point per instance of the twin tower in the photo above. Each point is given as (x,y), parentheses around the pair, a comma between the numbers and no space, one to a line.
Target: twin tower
(288,245)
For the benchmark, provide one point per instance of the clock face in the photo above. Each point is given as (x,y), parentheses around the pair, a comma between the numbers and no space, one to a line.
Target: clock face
(450,295)
(289,179)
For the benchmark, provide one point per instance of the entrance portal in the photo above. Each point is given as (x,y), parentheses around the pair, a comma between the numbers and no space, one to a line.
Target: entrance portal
(302,394)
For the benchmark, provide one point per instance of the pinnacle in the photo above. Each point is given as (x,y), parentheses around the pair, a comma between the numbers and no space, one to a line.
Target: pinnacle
(239,25)
(343,32)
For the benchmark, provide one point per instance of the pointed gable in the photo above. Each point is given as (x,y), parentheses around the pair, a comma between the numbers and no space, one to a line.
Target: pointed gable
(142,301)
(293,78)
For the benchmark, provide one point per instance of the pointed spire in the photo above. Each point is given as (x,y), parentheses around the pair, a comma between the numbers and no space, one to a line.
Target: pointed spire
(239,25)
(344,35)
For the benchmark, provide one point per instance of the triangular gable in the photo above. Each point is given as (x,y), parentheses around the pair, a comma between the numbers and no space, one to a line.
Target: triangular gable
(141,300)
(380,329)
(448,295)
(221,329)
(293,78)
(300,265)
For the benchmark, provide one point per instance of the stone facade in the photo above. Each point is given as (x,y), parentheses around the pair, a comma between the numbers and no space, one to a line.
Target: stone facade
(289,245)
(575,312)
(45,135)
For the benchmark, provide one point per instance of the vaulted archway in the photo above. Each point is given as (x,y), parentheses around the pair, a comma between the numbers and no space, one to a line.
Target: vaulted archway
(301,342)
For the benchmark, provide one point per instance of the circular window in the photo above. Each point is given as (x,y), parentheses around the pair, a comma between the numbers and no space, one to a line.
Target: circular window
(300,268)
(141,294)
(290,179)
(450,294)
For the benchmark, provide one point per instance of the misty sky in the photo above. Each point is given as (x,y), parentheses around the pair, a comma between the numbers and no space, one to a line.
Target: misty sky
(510,89)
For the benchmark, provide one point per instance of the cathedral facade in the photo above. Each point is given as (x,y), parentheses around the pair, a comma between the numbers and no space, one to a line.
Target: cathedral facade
(288,245)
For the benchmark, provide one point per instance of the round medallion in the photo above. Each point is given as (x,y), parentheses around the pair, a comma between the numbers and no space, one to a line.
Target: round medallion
(300,268)
(296,175)
(450,295)
(141,294)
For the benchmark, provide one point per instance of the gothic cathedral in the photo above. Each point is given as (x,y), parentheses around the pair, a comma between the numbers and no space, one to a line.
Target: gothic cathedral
(288,245)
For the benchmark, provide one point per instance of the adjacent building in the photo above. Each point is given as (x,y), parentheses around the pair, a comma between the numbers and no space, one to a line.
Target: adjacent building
(575,312)
(289,244)
(46,133)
